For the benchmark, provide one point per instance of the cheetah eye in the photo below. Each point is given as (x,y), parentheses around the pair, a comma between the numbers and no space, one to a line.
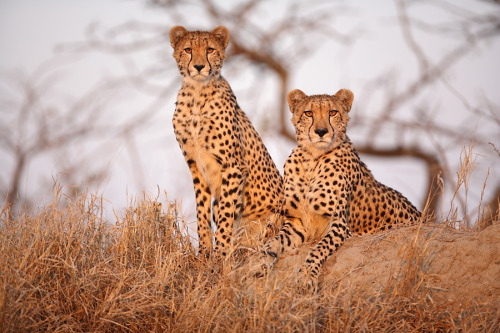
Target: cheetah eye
(188,50)
(210,50)
(308,113)
(333,113)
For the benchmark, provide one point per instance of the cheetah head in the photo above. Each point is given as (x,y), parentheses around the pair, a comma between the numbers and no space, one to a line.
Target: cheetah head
(320,120)
(199,54)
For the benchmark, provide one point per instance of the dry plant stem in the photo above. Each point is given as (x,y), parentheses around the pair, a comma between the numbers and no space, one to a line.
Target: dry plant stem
(467,166)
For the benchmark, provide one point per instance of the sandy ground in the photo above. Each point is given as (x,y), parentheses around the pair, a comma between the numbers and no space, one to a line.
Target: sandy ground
(453,267)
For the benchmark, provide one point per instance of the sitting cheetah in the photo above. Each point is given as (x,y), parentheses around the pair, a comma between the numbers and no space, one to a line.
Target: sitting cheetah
(329,192)
(227,159)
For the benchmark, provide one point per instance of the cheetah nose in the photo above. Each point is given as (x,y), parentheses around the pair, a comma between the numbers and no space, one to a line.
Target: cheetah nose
(321,131)
(199,67)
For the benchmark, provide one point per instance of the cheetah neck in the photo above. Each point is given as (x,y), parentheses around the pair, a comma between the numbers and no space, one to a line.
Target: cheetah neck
(197,86)
(316,153)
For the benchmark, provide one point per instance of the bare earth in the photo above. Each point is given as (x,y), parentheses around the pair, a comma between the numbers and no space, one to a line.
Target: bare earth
(453,267)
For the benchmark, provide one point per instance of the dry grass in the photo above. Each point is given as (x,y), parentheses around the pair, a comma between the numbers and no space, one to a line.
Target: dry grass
(65,269)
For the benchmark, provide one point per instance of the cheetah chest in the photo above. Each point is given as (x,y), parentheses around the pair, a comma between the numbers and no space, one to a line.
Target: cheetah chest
(195,131)
(311,197)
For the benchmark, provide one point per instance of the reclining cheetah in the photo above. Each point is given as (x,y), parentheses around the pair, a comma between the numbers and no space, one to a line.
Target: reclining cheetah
(227,158)
(329,192)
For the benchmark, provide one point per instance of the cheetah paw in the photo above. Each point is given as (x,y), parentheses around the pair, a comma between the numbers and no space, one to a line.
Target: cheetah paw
(308,280)
(260,266)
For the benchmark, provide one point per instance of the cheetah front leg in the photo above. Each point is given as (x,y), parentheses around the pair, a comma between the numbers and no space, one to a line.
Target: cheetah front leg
(291,235)
(229,207)
(203,203)
(337,234)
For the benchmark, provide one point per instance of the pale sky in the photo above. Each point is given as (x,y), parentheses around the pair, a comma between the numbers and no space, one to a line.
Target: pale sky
(30,30)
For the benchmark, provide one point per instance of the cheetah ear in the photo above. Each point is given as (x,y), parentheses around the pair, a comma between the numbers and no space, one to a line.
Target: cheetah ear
(176,34)
(345,96)
(294,97)
(222,34)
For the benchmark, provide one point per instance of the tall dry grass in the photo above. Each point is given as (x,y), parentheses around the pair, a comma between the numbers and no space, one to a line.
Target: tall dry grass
(65,269)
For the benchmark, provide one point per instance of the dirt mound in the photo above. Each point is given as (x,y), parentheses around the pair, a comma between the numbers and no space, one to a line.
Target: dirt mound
(453,267)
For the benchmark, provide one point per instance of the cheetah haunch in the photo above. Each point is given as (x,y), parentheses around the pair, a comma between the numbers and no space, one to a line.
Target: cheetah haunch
(329,192)
(227,159)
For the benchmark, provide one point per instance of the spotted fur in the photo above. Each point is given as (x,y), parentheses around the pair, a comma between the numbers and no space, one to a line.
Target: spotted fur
(329,192)
(230,166)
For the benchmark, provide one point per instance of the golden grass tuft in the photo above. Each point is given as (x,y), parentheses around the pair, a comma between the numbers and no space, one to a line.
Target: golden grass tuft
(66,269)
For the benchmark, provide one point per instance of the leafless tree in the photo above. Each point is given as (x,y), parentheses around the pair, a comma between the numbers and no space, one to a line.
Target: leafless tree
(310,23)
(32,126)
(466,30)
(38,121)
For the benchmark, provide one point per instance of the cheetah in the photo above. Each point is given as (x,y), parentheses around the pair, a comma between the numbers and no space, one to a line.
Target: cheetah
(233,174)
(329,192)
